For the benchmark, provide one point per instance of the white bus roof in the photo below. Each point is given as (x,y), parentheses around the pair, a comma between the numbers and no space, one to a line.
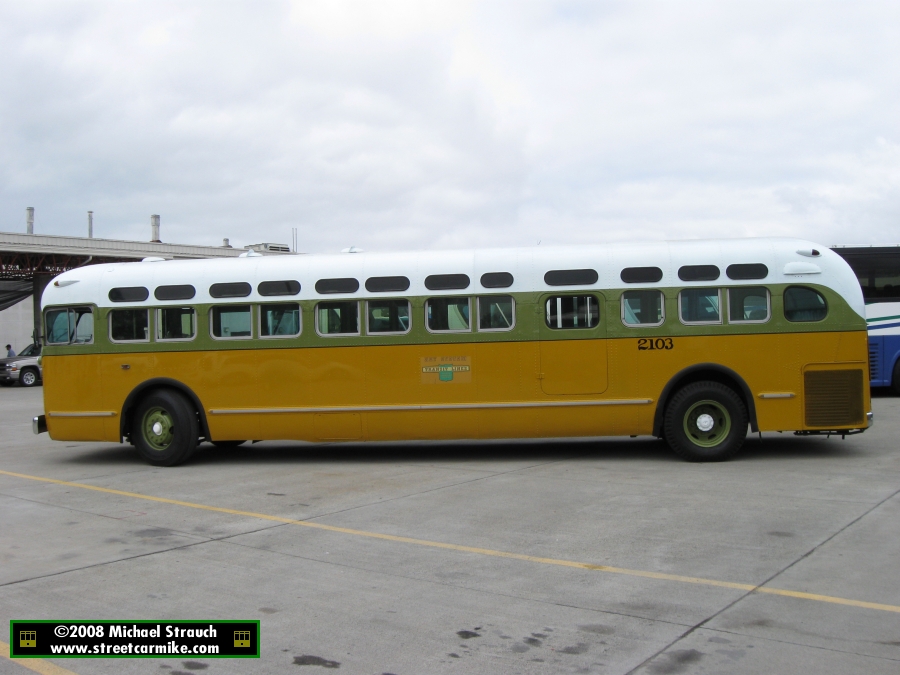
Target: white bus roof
(788,261)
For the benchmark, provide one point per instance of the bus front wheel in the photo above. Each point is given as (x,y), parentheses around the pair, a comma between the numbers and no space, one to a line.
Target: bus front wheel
(165,428)
(895,379)
(705,422)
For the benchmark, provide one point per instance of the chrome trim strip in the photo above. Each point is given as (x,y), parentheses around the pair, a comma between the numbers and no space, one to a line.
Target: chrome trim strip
(449,406)
(81,414)
(870,419)
(780,394)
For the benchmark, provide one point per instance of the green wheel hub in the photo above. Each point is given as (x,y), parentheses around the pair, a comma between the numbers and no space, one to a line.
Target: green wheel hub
(158,428)
(707,423)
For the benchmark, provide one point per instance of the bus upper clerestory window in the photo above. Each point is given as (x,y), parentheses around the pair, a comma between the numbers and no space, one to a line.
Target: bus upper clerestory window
(804,304)
(72,325)
(573,311)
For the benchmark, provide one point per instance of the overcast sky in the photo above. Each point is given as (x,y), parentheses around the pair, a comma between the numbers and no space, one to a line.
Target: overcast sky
(397,125)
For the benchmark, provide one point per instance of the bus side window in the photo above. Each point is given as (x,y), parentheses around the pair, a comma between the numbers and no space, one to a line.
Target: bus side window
(642,308)
(387,316)
(748,305)
(496,312)
(700,305)
(73,325)
(573,311)
(337,318)
(83,320)
(804,304)
(129,325)
(231,321)
(447,315)
(175,323)
(279,320)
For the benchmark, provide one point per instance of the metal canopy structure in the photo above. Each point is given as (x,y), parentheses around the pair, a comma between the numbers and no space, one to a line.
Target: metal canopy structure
(22,256)
(37,258)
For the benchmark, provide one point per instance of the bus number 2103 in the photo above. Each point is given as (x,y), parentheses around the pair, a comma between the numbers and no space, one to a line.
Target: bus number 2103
(645,344)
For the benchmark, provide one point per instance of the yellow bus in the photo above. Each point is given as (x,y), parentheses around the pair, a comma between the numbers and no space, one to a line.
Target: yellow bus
(691,341)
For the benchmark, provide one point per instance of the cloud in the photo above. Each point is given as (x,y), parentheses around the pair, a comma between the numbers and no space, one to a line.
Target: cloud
(391,125)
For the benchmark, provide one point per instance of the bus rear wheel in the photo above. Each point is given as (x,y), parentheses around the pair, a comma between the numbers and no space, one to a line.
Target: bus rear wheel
(165,428)
(705,422)
(895,378)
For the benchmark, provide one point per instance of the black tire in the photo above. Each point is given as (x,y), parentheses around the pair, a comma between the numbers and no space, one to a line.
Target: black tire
(694,407)
(29,377)
(227,445)
(164,428)
(895,378)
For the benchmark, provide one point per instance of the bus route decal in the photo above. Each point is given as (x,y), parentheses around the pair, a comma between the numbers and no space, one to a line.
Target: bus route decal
(441,369)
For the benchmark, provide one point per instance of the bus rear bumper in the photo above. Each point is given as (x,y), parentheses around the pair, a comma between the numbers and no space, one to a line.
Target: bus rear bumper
(870,422)
(39,424)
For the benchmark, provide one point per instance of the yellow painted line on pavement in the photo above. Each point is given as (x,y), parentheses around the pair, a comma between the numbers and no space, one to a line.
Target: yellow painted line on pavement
(35,665)
(472,549)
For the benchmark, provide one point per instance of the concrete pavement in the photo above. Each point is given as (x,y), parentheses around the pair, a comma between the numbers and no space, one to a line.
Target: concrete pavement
(621,552)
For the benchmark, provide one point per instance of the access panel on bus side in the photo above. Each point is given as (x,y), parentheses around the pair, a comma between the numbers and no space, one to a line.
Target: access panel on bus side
(573,349)
(73,399)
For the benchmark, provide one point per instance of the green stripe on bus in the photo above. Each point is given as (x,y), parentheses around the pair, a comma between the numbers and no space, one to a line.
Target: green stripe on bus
(530,325)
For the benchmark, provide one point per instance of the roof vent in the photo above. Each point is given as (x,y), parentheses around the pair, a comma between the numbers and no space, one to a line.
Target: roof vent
(268,246)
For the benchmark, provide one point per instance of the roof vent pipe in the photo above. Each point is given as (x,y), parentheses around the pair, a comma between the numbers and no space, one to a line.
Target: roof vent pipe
(90,224)
(29,220)
(154,229)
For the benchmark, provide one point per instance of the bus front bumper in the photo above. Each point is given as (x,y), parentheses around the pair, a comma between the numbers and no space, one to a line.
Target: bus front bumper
(39,424)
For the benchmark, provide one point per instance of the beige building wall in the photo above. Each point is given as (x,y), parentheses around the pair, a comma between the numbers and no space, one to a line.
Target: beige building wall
(16,325)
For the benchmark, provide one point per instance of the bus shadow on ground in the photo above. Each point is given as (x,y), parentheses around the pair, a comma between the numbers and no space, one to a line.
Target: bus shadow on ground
(770,448)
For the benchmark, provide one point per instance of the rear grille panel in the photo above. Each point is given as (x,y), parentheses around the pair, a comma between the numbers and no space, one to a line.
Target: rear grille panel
(874,362)
(833,398)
